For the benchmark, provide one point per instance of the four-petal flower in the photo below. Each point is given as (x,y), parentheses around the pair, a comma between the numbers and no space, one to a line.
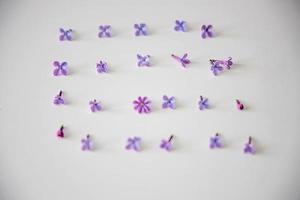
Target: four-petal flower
(102,67)
(143,60)
(167,144)
(65,34)
(182,60)
(86,143)
(206,31)
(249,147)
(169,102)
(95,106)
(60,68)
(105,31)
(203,103)
(58,99)
(214,142)
(140,29)
(134,144)
(180,26)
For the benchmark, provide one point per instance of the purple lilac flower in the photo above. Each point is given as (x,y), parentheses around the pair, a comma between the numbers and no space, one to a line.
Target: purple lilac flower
(60,68)
(214,142)
(105,31)
(169,102)
(249,148)
(142,105)
(102,67)
(203,103)
(143,60)
(228,63)
(182,60)
(225,63)
(134,144)
(180,26)
(167,144)
(86,143)
(216,68)
(95,106)
(219,65)
(65,34)
(58,99)
(206,31)
(140,29)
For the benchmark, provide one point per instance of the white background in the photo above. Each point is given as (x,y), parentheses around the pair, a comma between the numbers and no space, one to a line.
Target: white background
(261,36)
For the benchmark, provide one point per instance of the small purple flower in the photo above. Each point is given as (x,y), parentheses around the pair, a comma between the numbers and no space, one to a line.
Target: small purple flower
(143,60)
(65,34)
(214,142)
(60,68)
(228,63)
(180,26)
(58,99)
(95,106)
(182,60)
(105,31)
(140,29)
(86,143)
(219,65)
(206,31)
(216,68)
(134,144)
(169,102)
(142,105)
(249,148)
(102,67)
(203,103)
(167,144)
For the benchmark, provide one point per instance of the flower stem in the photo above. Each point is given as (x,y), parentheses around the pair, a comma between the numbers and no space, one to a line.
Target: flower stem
(250,140)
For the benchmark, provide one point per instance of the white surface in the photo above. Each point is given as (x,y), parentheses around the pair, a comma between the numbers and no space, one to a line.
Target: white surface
(261,36)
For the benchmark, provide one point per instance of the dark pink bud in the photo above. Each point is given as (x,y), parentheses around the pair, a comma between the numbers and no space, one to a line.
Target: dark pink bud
(60,132)
(240,106)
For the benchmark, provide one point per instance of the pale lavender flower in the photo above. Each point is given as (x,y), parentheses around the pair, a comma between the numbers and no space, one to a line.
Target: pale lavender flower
(60,68)
(102,67)
(95,106)
(65,34)
(58,99)
(203,103)
(86,143)
(249,147)
(180,26)
(219,65)
(169,102)
(105,31)
(182,60)
(134,144)
(216,68)
(214,142)
(206,31)
(140,29)
(143,60)
(167,144)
